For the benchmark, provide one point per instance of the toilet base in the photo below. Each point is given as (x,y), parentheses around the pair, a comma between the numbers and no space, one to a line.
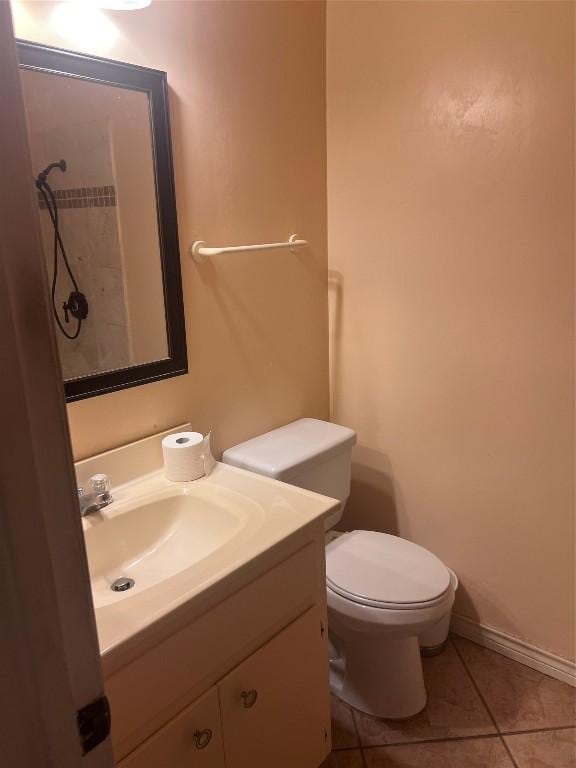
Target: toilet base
(381,676)
(433,650)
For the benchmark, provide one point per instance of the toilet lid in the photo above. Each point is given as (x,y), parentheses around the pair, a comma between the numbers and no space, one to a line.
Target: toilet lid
(384,570)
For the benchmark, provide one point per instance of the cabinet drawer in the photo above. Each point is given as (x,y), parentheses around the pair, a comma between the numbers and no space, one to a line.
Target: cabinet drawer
(146,693)
(192,740)
(275,706)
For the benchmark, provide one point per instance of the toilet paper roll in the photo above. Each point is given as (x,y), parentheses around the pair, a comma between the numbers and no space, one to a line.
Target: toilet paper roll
(183,456)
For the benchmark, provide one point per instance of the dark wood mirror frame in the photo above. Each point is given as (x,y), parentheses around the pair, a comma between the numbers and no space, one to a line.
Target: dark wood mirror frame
(154,83)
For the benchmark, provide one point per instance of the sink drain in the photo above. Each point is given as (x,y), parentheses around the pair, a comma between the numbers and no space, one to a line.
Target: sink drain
(122,584)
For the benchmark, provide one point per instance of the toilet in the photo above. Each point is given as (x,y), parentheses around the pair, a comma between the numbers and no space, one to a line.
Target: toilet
(387,597)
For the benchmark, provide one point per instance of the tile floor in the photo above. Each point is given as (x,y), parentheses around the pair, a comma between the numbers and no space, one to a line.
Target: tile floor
(484,711)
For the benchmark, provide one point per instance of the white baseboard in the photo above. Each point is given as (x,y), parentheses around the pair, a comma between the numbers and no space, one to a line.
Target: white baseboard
(516,649)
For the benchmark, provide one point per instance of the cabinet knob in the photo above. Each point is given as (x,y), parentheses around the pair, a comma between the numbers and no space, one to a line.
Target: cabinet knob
(202,738)
(249,698)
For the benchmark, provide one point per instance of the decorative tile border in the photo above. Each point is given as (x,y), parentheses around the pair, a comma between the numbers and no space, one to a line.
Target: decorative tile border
(82,197)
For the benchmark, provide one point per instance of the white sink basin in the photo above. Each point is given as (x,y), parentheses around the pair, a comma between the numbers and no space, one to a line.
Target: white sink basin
(157,536)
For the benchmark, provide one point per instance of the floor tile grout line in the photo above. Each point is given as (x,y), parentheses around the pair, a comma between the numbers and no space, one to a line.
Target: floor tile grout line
(346,749)
(483,700)
(355,722)
(358,739)
(476,687)
(434,739)
(540,730)
(509,751)
(482,736)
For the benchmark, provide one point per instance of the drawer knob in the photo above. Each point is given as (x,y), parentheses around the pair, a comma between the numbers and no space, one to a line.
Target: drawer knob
(202,738)
(249,698)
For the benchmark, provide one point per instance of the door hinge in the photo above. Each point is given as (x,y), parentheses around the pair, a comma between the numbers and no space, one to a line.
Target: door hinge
(321,629)
(93,724)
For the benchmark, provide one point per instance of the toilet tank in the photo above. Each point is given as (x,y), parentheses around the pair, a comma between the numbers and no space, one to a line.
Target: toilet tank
(309,453)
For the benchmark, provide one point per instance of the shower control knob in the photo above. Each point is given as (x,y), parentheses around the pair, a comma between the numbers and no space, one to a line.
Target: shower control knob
(77,305)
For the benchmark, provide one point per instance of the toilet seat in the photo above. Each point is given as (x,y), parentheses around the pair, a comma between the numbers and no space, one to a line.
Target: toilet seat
(384,571)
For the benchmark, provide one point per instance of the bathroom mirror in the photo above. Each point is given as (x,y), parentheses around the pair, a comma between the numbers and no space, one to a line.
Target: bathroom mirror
(99,136)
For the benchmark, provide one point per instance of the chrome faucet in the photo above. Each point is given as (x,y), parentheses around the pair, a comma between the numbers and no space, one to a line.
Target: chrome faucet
(97,496)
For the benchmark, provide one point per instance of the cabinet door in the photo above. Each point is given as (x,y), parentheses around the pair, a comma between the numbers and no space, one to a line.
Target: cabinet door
(275,706)
(193,739)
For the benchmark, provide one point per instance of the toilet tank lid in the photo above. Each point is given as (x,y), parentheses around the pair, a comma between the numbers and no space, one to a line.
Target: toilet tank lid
(282,451)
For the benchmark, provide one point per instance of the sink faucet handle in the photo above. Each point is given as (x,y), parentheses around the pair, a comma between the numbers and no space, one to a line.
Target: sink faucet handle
(100,484)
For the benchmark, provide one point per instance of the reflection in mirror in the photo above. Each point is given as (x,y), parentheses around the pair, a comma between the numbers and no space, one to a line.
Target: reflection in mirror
(99,222)
(99,137)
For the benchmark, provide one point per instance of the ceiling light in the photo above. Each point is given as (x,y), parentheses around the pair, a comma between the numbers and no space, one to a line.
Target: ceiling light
(123,5)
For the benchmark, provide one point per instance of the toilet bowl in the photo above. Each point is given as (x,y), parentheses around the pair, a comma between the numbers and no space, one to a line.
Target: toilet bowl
(387,597)
(383,594)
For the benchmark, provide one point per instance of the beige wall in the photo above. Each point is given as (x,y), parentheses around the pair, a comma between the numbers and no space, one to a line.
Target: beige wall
(248,127)
(451,214)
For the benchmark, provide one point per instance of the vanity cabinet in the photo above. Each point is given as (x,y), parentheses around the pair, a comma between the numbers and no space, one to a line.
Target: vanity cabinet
(218,657)
(271,710)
